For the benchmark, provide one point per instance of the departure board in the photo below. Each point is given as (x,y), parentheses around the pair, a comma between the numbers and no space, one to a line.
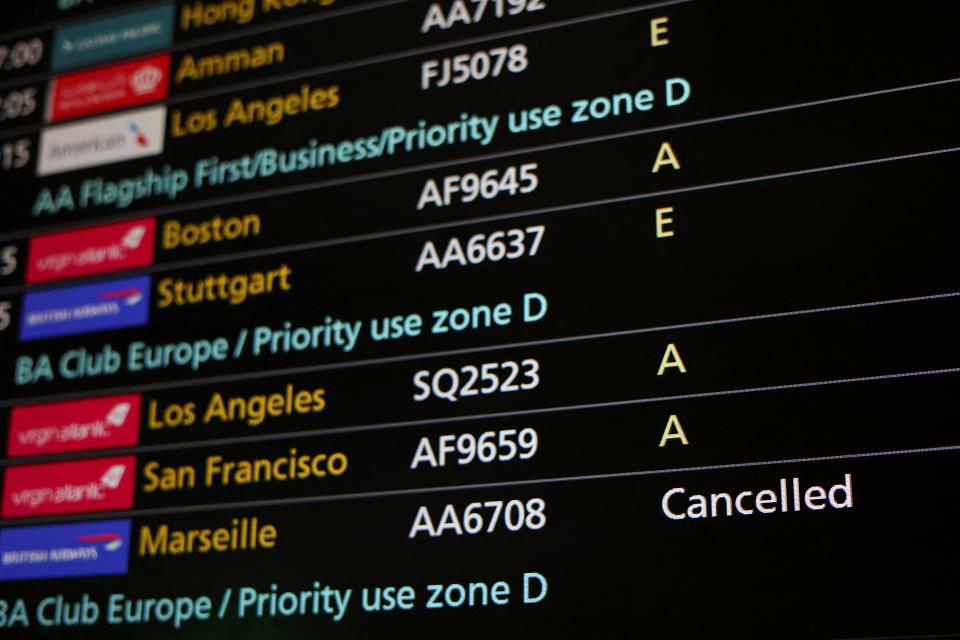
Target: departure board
(479,319)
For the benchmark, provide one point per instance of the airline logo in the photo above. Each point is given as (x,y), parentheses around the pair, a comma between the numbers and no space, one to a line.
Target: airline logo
(108,247)
(99,141)
(104,484)
(65,550)
(85,308)
(109,88)
(100,423)
(115,37)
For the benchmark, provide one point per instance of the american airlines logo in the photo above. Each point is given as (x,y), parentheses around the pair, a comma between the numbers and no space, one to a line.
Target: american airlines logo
(79,425)
(69,487)
(61,551)
(100,141)
(139,135)
(92,250)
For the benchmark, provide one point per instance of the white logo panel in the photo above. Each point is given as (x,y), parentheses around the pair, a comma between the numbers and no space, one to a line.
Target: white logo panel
(99,141)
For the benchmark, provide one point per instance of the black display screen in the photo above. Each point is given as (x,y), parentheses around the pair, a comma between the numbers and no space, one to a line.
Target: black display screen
(478,319)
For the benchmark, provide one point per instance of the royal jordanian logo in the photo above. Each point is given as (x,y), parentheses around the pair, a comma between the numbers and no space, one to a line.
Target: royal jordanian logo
(78,425)
(100,141)
(85,308)
(146,79)
(92,250)
(61,551)
(109,88)
(69,487)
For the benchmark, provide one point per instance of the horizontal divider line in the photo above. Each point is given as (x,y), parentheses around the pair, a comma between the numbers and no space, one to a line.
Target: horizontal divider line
(429,355)
(216,201)
(392,493)
(936,636)
(314,433)
(454,224)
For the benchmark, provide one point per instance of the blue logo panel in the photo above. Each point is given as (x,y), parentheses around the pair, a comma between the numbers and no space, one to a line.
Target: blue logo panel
(65,550)
(115,37)
(86,308)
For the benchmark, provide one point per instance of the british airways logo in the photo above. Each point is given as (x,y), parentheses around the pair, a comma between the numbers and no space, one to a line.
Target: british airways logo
(86,308)
(61,551)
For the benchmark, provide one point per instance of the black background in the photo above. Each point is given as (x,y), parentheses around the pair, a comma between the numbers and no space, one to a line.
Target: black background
(786,222)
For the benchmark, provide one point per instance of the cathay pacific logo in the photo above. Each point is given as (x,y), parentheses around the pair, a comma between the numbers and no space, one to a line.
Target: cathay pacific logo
(85,308)
(118,36)
(103,140)
(62,551)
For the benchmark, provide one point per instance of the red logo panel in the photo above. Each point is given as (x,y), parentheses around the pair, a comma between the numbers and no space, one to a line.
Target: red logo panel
(104,484)
(99,423)
(107,88)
